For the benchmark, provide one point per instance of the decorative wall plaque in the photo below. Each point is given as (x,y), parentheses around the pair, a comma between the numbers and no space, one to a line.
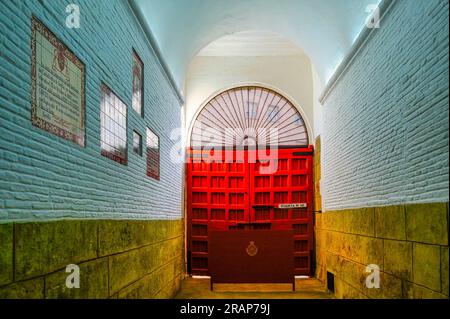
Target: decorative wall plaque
(57,86)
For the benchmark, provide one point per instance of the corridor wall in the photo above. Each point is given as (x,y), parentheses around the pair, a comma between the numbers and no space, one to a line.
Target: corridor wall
(384,157)
(63,203)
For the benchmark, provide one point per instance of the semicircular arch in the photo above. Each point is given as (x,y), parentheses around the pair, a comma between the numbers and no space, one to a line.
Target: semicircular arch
(249,114)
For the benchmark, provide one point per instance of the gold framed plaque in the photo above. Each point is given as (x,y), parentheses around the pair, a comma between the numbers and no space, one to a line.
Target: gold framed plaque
(58,101)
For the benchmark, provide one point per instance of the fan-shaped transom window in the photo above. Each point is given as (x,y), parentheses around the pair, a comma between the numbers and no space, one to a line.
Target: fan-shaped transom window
(249,116)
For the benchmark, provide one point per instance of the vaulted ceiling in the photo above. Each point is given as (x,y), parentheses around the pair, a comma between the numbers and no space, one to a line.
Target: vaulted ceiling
(324,29)
(251,44)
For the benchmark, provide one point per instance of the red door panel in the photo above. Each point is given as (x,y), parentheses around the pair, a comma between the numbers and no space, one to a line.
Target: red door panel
(250,189)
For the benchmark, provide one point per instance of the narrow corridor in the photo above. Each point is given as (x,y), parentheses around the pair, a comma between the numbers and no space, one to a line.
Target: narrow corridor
(149,143)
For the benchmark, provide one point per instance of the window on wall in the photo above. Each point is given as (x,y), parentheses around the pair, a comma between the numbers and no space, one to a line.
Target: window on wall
(138,85)
(113,127)
(152,154)
(137,143)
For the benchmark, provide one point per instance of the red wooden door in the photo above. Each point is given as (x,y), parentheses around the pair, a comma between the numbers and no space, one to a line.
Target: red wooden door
(281,195)
(250,189)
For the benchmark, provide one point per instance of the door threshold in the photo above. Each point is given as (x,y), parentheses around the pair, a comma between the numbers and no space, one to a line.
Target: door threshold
(201,277)
(253,287)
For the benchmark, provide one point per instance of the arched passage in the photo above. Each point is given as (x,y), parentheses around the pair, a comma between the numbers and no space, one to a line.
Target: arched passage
(246,187)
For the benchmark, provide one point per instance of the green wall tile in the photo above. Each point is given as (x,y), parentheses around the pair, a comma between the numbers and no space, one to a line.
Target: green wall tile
(444,270)
(30,289)
(427,223)
(128,267)
(93,282)
(120,236)
(44,247)
(413,291)
(427,266)
(360,221)
(6,253)
(398,258)
(151,284)
(390,222)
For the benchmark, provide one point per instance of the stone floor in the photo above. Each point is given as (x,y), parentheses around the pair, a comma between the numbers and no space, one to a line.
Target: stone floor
(194,288)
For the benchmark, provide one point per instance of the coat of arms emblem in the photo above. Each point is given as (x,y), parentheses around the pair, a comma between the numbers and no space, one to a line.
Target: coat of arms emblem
(252,249)
(60,60)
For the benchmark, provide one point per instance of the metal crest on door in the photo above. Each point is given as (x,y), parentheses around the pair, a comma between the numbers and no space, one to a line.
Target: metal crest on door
(252,249)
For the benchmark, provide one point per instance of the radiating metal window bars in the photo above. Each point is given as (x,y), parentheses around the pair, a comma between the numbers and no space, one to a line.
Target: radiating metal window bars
(245,113)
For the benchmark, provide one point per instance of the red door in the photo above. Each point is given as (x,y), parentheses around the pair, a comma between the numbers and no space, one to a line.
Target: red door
(250,189)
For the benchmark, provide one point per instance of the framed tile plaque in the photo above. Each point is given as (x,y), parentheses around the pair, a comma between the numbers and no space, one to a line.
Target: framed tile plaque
(57,85)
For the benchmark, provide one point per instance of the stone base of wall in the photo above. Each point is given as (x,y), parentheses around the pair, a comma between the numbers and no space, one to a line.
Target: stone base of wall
(117,259)
(409,243)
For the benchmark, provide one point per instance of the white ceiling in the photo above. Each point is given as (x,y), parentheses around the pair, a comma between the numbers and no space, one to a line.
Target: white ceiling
(251,43)
(324,29)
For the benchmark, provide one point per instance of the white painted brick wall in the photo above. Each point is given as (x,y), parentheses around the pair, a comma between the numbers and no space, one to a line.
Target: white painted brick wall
(44,176)
(385,127)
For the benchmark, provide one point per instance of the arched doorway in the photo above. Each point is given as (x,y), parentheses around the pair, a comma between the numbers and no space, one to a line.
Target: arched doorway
(249,167)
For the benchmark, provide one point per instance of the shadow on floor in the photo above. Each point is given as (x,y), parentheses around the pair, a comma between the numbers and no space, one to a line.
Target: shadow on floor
(194,288)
